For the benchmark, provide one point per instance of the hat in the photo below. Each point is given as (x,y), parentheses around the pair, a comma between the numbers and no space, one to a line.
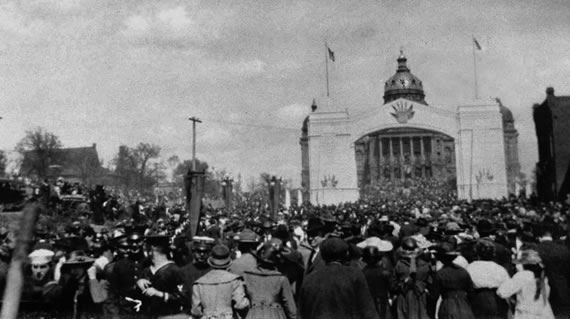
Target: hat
(485,227)
(529,257)
(220,257)
(315,225)
(270,251)
(202,243)
(452,227)
(334,249)
(80,261)
(381,245)
(41,256)
(248,236)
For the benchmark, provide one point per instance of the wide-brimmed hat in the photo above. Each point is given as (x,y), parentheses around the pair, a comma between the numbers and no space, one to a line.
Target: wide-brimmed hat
(381,245)
(248,236)
(529,257)
(220,257)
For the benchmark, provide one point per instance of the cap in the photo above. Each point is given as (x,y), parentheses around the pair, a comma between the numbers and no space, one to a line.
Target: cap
(41,256)
(202,243)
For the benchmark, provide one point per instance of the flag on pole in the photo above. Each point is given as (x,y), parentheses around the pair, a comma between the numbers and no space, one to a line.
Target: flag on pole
(477,45)
(331,54)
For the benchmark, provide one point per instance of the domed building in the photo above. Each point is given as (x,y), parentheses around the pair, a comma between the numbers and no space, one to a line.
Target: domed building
(404,138)
(402,153)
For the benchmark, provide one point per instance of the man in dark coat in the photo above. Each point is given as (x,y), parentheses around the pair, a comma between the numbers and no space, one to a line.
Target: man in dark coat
(347,296)
(556,258)
(316,234)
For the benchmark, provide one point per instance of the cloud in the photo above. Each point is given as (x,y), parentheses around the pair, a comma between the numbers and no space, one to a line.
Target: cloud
(13,21)
(177,27)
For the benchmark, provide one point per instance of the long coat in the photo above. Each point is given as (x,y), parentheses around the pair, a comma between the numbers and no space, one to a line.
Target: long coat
(410,288)
(217,294)
(336,291)
(270,295)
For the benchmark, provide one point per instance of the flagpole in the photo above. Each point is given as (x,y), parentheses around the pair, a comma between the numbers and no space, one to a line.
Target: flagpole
(475,69)
(327,65)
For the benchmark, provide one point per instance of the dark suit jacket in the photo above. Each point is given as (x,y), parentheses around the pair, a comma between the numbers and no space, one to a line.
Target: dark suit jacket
(317,263)
(336,291)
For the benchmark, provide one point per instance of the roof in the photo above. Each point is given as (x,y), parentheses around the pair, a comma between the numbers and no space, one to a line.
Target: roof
(73,161)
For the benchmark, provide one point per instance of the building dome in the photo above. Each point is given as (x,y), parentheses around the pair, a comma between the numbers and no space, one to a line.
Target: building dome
(404,84)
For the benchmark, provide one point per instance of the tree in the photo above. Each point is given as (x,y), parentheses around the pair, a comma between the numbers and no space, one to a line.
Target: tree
(133,166)
(39,149)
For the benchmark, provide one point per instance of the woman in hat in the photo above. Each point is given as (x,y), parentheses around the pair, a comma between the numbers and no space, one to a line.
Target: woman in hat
(269,290)
(530,287)
(411,276)
(452,282)
(218,293)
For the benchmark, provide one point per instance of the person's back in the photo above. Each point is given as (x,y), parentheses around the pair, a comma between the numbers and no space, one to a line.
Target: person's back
(270,294)
(335,290)
(530,287)
(219,292)
(523,284)
(213,293)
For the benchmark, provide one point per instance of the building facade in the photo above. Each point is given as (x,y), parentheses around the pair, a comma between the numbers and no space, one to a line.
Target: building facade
(406,138)
(551,120)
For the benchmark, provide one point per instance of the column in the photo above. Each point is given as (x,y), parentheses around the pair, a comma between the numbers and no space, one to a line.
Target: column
(422,156)
(373,160)
(402,159)
(369,161)
(412,157)
(391,157)
(380,160)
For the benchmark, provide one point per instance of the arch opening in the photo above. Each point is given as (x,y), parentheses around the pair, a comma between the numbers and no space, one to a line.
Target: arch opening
(405,156)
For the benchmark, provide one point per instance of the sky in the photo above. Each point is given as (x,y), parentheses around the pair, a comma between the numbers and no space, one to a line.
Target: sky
(130,71)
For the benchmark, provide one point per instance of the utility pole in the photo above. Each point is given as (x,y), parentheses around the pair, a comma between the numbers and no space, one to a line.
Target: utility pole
(194,120)
(194,182)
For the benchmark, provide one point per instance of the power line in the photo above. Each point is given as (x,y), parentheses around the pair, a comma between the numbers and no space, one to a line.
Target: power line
(270,127)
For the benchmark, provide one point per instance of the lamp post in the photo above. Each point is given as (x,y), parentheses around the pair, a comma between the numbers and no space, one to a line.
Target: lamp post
(227,187)
(275,194)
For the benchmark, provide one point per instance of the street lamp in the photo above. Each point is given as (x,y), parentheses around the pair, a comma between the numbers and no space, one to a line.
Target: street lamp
(227,187)
(275,194)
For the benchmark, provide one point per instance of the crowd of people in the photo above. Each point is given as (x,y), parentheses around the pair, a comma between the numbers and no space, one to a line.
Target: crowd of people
(395,257)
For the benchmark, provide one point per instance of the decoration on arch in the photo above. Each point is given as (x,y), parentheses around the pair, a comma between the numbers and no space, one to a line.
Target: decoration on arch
(403,112)
(329,181)
(484,174)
